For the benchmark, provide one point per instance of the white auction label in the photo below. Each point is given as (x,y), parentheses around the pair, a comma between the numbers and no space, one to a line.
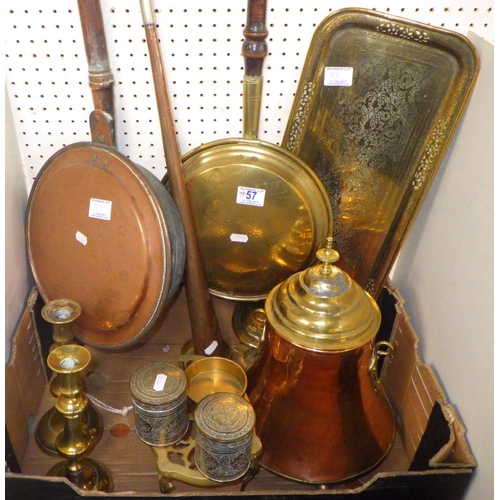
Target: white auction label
(100,209)
(211,348)
(81,238)
(241,238)
(250,196)
(338,77)
(160,380)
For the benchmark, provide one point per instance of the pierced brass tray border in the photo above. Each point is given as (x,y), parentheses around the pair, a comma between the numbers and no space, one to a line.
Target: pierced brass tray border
(436,138)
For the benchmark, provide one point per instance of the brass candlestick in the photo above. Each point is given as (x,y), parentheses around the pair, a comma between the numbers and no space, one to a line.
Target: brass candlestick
(75,442)
(61,313)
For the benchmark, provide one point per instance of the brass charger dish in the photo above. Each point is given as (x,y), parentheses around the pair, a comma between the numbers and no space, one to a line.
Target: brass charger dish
(260,215)
(376,106)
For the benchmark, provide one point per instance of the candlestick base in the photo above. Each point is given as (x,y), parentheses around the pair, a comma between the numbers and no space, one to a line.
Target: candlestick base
(91,477)
(51,424)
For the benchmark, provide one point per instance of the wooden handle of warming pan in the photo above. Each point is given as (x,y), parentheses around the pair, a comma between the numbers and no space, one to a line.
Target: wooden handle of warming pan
(205,330)
(254,50)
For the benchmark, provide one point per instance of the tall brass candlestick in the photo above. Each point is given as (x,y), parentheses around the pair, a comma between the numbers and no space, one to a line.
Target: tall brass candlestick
(75,442)
(61,313)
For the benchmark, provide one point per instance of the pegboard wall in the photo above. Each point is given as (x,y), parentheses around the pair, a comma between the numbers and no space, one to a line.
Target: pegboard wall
(47,72)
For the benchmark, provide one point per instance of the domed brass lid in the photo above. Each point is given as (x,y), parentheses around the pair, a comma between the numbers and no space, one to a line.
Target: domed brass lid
(322,308)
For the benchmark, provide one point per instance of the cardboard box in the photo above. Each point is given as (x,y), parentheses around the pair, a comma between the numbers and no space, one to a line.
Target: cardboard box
(430,458)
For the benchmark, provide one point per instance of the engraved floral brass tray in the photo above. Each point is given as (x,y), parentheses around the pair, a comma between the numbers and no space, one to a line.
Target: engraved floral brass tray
(377,104)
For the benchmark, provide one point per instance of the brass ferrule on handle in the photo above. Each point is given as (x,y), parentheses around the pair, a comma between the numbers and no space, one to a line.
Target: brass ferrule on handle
(101,80)
(252,98)
(147,9)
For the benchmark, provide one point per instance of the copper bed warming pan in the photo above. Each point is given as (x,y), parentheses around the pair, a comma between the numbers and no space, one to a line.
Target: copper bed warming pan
(260,212)
(376,106)
(105,233)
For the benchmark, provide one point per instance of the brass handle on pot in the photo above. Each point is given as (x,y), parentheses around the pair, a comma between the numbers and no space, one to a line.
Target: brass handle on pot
(382,348)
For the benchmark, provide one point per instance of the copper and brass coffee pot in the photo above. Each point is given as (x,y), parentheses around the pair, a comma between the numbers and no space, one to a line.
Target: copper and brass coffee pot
(61,313)
(74,442)
(322,414)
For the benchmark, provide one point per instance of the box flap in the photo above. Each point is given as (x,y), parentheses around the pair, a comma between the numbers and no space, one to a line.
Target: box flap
(24,371)
(430,422)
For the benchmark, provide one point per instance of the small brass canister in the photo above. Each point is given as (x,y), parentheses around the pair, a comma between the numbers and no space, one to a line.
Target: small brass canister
(160,403)
(224,431)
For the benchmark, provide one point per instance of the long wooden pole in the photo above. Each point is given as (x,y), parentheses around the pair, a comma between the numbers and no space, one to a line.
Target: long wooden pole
(205,330)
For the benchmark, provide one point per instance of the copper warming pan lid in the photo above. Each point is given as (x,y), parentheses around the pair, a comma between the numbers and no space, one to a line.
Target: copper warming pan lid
(106,233)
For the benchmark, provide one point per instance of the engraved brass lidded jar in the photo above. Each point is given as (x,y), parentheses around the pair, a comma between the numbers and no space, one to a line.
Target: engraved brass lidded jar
(159,398)
(322,414)
(224,424)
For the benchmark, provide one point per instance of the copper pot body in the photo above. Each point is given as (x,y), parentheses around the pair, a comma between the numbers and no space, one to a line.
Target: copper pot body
(319,416)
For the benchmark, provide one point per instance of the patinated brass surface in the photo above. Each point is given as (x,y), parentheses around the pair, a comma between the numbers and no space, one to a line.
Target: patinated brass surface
(322,308)
(249,322)
(376,144)
(260,212)
(247,249)
(51,424)
(158,392)
(224,433)
(210,375)
(61,313)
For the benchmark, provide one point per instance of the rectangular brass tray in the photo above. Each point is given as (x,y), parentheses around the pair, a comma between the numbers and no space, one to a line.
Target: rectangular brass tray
(376,142)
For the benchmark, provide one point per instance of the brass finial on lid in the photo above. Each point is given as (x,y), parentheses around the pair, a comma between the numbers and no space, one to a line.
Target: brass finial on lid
(328,256)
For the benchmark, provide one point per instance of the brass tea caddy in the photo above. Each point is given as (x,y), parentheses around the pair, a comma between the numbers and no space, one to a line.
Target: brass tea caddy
(322,414)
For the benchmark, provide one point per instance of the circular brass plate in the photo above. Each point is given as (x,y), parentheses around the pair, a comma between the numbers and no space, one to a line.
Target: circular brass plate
(260,215)
(121,257)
